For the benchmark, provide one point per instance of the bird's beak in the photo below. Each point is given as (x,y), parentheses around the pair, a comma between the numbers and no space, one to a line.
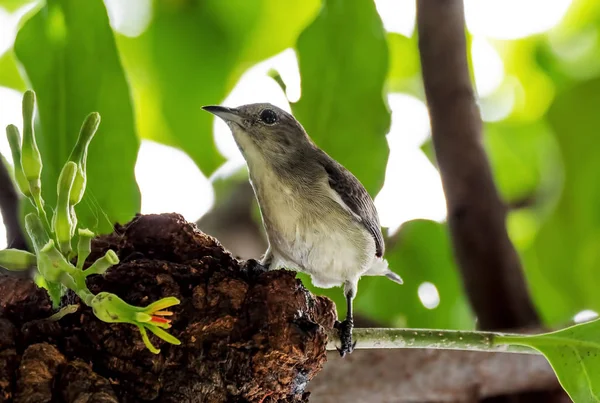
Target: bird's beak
(225,113)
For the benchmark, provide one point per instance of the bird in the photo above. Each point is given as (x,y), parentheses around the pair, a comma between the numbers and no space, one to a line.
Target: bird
(318,217)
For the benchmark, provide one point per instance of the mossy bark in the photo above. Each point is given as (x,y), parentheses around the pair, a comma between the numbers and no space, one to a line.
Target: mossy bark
(247,334)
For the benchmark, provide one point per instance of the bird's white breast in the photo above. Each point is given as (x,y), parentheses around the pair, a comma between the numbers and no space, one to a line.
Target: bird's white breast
(308,230)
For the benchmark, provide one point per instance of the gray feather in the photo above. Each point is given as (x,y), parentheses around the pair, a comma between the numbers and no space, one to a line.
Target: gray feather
(355,196)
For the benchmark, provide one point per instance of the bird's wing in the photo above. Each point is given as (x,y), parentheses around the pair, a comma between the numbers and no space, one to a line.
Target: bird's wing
(352,196)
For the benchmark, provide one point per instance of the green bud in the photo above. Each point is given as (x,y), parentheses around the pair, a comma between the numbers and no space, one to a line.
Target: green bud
(79,155)
(78,188)
(84,247)
(16,260)
(62,223)
(14,140)
(31,160)
(104,263)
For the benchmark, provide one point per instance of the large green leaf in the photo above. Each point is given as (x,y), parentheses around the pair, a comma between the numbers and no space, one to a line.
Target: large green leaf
(530,87)
(574,354)
(404,74)
(13,5)
(515,153)
(193,53)
(68,52)
(9,73)
(562,265)
(343,60)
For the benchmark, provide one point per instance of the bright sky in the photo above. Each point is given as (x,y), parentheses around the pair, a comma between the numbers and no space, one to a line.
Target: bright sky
(412,187)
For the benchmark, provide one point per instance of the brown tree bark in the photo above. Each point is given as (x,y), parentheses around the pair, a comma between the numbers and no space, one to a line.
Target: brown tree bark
(490,266)
(247,334)
(9,208)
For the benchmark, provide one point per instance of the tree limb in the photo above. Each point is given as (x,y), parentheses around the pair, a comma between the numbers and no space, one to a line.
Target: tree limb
(436,339)
(490,266)
(428,376)
(9,208)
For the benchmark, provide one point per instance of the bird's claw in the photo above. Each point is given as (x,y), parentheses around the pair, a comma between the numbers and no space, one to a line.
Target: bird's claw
(252,266)
(345,333)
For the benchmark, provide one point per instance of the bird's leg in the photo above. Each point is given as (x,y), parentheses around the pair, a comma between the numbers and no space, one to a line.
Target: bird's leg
(267,259)
(255,267)
(345,328)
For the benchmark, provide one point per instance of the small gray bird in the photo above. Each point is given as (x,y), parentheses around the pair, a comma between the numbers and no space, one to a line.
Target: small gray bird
(318,217)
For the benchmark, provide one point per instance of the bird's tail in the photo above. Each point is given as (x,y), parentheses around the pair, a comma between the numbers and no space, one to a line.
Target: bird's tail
(380,268)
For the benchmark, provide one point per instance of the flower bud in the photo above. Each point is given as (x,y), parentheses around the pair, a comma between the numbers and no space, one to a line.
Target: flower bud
(14,140)
(31,160)
(62,222)
(79,155)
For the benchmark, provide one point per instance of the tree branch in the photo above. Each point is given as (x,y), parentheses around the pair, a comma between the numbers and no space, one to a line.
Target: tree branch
(428,376)
(435,339)
(490,266)
(9,208)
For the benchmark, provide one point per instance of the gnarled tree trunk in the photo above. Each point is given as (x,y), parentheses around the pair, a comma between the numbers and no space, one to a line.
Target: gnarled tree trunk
(247,335)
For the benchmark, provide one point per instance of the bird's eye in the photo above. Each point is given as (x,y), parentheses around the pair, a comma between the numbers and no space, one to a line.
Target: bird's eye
(268,116)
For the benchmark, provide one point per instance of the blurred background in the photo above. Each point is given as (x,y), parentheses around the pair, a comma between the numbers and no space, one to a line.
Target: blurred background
(350,72)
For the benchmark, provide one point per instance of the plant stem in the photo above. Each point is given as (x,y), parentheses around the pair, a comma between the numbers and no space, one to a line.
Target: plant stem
(431,339)
(39,205)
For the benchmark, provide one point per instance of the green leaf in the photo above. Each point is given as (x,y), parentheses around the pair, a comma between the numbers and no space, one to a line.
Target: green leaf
(404,74)
(343,60)
(562,264)
(13,5)
(520,155)
(68,52)
(9,73)
(574,354)
(193,53)
(532,88)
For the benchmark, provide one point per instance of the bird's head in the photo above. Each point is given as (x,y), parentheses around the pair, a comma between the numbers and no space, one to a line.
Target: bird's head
(263,129)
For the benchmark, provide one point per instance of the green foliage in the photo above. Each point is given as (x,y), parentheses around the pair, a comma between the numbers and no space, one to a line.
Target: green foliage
(16,260)
(404,74)
(563,262)
(9,72)
(193,53)
(14,141)
(52,243)
(68,52)
(574,354)
(343,60)
(521,155)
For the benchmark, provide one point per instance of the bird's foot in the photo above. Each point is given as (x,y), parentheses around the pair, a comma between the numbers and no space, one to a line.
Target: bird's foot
(345,332)
(253,267)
